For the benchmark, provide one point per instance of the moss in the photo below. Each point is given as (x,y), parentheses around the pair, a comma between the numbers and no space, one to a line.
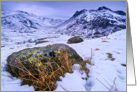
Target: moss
(39,42)
(75,39)
(30,60)
(44,55)
(75,58)
(110,56)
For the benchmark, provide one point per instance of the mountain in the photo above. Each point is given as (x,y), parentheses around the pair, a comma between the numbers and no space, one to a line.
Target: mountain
(21,21)
(93,23)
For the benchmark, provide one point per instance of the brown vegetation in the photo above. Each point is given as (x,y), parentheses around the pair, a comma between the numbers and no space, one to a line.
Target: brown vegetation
(44,76)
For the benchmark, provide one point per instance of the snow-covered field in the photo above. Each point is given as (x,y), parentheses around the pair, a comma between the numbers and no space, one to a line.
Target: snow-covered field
(106,73)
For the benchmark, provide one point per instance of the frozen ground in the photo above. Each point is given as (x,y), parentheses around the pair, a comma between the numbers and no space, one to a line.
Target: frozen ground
(106,71)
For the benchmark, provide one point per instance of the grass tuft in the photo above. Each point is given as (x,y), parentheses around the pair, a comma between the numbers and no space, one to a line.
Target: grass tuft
(104,41)
(97,49)
(2,46)
(43,76)
(83,66)
(110,56)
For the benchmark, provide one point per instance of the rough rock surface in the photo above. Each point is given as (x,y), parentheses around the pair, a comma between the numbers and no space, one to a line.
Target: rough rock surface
(75,39)
(46,54)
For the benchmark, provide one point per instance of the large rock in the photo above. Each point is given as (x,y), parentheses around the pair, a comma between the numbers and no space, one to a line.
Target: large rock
(75,39)
(44,54)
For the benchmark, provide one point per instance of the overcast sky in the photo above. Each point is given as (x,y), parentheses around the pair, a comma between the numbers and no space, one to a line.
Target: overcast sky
(59,9)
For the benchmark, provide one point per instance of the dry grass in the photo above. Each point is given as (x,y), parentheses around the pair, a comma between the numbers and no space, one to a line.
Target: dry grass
(7,76)
(44,76)
(111,87)
(2,46)
(83,66)
(28,45)
(11,48)
(110,56)
(97,49)
(105,41)
(18,46)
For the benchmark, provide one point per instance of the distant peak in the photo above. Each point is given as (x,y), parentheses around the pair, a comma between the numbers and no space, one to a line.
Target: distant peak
(120,12)
(22,11)
(104,8)
(83,10)
(79,12)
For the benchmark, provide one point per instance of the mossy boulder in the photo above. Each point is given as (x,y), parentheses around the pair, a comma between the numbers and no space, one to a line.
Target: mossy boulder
(45,54)
(75,39)
(39,42)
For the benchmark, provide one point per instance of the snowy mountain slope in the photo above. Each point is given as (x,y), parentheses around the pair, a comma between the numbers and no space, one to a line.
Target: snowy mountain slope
(103,69)
(93,23)
(21,21)
(51,22)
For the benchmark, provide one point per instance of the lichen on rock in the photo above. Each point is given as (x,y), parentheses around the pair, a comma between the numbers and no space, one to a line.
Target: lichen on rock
(45,55)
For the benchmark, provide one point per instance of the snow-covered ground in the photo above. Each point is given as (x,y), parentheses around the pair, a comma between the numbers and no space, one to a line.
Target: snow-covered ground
(105,73)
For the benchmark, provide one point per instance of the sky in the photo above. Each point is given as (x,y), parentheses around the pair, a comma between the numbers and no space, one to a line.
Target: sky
(59,9)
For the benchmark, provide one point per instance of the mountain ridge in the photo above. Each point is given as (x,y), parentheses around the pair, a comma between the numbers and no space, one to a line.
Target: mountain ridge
(85,23)
(26,22)
(93,23)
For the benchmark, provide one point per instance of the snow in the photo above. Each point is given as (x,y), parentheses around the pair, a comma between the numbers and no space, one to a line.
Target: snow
(74,82)
(26,22)
(8,84)
(103,71)
(83,22)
